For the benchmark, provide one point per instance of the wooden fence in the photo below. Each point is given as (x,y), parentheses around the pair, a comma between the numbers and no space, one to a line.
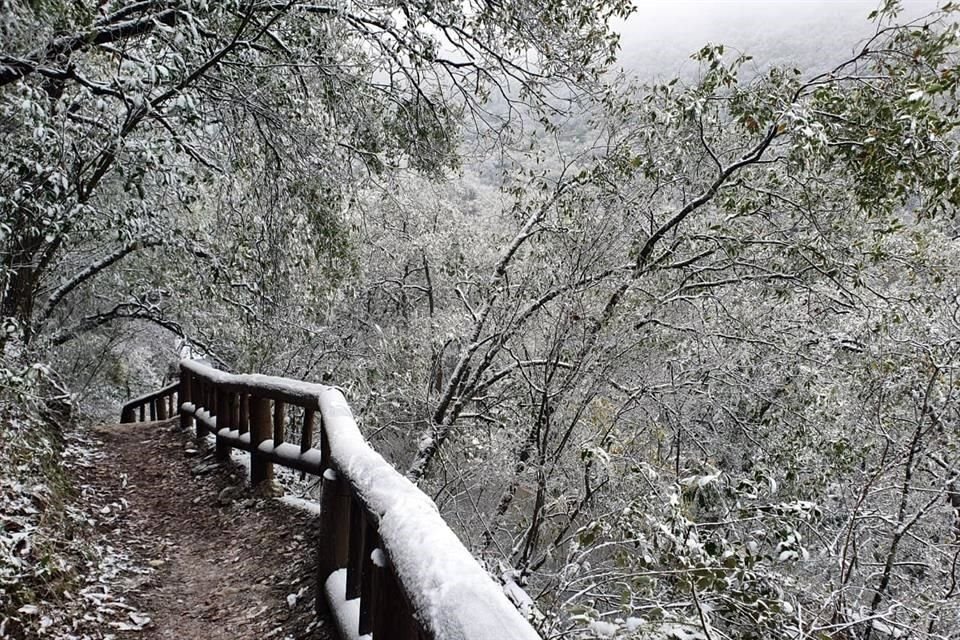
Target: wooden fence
(388,565)
(161,405)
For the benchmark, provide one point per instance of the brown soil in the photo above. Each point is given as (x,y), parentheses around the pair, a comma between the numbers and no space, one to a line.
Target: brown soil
(225,560)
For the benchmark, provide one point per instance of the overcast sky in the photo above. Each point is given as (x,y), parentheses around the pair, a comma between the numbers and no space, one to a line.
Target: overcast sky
(659,37)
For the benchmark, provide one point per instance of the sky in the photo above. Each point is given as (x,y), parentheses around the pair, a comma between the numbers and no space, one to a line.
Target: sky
(659,37)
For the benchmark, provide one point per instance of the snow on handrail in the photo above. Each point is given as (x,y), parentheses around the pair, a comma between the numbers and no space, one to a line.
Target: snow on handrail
(412,575)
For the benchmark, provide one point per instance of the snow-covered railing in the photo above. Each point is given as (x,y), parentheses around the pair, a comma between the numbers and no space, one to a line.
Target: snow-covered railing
(162,405)
(388,564)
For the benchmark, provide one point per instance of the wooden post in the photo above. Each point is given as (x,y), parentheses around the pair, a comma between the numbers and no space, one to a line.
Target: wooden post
(143,413)
(306,436)
(260,469)
(185,395)
(333,537)
(391,615)
(128,415)
(201,403)
(279,419)
(234,406)
(244,425)
(370,542)
(162,408)
(324,446)
(224,420)
(358,534)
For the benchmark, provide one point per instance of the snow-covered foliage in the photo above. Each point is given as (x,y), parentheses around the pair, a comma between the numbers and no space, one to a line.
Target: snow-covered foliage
(675,361)
(60,576)
(717,430)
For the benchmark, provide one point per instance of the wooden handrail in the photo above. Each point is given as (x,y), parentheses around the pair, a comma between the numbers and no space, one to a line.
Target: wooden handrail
(162,404)
(388,565)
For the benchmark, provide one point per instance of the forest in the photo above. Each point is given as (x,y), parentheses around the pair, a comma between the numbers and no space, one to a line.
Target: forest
(675,352)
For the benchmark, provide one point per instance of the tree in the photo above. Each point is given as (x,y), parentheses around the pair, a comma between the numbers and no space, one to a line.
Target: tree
(759,222)
(690,373)
(155,99)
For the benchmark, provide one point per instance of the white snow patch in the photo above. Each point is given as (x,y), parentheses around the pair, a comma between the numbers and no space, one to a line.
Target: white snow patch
(520,598)
(239,456)
(302,504)
(681,631)
(886,629)
(346,613)
(603,629)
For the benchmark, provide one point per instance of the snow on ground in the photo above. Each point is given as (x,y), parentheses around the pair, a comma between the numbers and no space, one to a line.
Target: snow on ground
(60,576)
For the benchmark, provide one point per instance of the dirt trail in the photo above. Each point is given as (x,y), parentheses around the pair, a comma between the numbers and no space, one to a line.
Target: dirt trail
(227,563)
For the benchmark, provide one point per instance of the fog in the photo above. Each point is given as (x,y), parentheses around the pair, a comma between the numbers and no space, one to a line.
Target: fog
(657,40)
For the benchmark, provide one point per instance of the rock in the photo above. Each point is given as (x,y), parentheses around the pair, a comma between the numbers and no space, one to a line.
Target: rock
(139,619)
(203,468)
(227,495)
(269,489)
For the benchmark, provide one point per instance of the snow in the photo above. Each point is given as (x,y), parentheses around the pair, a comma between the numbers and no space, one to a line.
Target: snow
(681,631)
(452,595)
(449,591)
(98,572)
(378,558)
(302,504)
(311,457)
(237,456)
(346,613)
(302,393)
(520,598)
(603,629)
(886,629)
(633,623)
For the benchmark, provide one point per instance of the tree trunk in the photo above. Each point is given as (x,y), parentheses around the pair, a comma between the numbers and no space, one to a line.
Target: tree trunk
(21,288)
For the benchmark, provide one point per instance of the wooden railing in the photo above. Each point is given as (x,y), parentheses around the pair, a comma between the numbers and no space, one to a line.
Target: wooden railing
(161,404)
(388,565)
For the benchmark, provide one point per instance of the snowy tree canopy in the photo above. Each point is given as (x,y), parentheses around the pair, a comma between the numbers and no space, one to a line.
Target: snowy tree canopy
(675,359)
